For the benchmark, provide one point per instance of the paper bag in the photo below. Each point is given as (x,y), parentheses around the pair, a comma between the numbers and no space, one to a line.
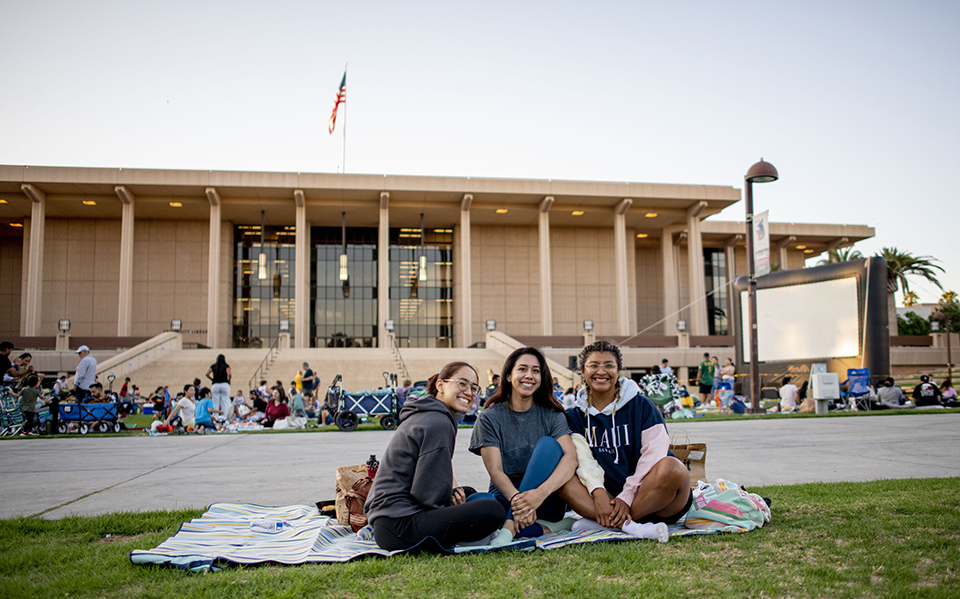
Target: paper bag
(693,456)
(346,477)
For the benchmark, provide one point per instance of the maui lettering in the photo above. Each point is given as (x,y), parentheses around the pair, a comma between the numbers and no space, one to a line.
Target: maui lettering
(608,440)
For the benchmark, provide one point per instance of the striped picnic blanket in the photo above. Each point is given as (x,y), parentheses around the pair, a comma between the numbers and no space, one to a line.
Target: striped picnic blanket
(223,535)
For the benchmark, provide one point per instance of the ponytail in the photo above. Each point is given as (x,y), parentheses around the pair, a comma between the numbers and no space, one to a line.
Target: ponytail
(446,372)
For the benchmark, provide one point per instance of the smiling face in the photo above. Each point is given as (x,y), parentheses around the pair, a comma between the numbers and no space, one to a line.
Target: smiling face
(525,377)
(600,371)
(458,399)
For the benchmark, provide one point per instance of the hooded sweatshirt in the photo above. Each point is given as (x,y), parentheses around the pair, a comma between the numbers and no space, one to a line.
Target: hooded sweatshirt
(627,438)
(416,473)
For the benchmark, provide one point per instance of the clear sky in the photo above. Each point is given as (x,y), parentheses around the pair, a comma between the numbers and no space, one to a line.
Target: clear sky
(855,102)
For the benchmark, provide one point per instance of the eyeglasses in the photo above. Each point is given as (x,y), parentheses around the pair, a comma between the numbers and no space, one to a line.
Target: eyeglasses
(465,385)
(595,366)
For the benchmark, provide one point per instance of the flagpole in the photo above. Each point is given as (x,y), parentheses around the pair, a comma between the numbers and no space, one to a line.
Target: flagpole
(344,155)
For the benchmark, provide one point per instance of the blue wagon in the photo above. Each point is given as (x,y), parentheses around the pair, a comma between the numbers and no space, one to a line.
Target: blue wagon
(102,417)
(350,409)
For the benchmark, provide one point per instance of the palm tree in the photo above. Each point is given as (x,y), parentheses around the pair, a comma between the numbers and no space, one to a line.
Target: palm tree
(841,255)
(900,266)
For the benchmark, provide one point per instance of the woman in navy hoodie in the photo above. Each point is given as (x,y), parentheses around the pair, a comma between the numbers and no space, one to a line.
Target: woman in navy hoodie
(626,476)
(412,502)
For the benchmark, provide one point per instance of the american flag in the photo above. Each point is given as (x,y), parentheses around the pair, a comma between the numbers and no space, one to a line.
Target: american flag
(341,98)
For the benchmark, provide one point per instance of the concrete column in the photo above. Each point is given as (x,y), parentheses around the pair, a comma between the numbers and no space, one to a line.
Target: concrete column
(546,280)
(620,262)
(213,269)
(465,275)
(34,295)
(125,303)
(383,269)
(698,307)
(781,247)
(301,282)
(671,282)
(730,259)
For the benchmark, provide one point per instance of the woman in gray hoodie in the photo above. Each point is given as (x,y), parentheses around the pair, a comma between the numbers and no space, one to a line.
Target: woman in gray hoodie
(412,502)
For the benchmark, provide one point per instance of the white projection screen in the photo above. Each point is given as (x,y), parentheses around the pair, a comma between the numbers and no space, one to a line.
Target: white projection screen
(804,322)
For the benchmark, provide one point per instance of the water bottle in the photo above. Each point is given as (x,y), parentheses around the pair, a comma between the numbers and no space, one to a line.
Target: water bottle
(372,466)
(270,526)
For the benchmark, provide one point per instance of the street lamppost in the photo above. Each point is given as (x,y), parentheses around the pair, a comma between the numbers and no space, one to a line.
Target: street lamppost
(761,172)
(940,315)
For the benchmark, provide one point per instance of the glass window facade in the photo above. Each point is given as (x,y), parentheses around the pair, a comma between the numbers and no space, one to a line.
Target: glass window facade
(422,307)
(715,271)
(263,284)
(344,312)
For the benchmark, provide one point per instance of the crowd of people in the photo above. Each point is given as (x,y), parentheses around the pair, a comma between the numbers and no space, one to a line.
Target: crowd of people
(883,394)
(201,408)
(198,406)
(206,406)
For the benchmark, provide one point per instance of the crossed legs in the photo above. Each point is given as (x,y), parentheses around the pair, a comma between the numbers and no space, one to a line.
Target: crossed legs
(663,496)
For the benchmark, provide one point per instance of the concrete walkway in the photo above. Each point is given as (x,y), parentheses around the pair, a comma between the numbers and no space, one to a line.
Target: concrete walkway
(59,477)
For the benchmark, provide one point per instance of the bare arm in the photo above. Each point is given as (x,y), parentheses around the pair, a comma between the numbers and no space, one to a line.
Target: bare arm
(229,375)
(172,415)
(209,374)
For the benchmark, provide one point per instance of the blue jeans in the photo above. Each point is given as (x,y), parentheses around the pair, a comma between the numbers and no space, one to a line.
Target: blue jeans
(544,460)
(221,398)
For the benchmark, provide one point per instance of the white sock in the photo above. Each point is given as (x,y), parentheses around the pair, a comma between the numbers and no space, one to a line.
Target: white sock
(658,530)
(502,537)
(585,524)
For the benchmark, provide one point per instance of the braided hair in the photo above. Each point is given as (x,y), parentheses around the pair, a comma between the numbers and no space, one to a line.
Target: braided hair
(611,348)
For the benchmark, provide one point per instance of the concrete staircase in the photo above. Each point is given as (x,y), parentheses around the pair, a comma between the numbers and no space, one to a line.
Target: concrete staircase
(361,368)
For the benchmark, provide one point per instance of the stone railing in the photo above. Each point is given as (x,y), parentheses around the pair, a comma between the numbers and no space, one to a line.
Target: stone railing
(505,345)
(138,356)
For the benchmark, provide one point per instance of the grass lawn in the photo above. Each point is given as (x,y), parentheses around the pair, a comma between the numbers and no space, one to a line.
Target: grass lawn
(877,539)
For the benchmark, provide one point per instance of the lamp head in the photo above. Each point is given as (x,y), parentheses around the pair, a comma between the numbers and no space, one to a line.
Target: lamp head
(762,172)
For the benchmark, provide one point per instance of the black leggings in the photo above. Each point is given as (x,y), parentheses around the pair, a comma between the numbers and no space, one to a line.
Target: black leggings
(440,529)
(669,519)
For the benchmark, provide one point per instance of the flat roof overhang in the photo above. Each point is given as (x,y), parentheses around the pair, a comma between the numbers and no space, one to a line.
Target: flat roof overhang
(244,194)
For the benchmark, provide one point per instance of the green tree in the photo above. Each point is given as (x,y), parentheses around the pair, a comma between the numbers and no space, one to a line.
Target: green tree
(841,255)
(911,324)
(900,266)
(952,311)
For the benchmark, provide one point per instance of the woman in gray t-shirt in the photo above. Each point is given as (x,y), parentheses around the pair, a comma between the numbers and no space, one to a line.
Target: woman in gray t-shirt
(524,440)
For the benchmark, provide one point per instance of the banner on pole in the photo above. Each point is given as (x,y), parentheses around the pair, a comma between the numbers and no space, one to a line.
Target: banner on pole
(761,243)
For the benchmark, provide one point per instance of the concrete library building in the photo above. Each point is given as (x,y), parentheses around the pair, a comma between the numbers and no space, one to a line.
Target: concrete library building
(235,259)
